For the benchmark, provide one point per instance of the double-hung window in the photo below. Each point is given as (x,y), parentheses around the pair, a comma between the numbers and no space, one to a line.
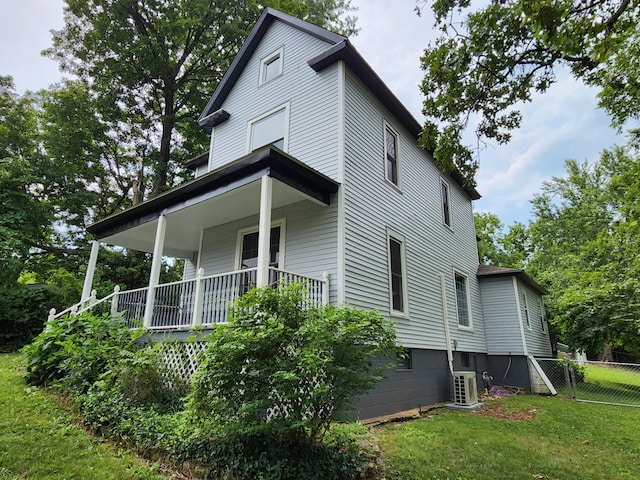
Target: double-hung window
(462,300)
(391,155)
(397,275)
(270,128)
(446,205)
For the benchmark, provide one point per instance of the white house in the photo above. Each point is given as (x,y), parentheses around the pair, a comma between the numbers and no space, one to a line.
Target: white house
(314,173)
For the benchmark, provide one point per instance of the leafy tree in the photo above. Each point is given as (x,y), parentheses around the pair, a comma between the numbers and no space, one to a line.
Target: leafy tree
(585,234)
(153,65)
(280,367)
(495,247)
(491,58)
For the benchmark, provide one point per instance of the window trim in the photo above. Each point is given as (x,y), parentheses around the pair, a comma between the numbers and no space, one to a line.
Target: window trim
(388,128)
(447,218)
(267,60)
(543,319)
(251,123)
(398,238)
(524,305)
(281,222)
(457,273)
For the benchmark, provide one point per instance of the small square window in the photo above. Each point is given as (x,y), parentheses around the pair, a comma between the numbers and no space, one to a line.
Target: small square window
(465,360)
(271,66)
(406,360)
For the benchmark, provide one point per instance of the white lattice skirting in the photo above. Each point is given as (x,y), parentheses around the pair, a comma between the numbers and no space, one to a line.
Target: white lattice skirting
(182,359)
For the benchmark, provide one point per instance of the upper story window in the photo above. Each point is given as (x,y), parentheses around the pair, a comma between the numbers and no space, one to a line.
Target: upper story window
(271,66)
(391,154)
(446,205)
(462,300)
(397,275)
(270,128)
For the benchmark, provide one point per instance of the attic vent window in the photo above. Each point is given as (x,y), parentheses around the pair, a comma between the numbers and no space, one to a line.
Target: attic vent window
(271,66)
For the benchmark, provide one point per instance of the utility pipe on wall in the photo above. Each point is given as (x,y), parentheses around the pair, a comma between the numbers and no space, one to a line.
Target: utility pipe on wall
(445,314)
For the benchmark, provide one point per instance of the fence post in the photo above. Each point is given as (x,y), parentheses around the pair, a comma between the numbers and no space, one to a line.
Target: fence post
(197,301)
(325,288)
(114,300)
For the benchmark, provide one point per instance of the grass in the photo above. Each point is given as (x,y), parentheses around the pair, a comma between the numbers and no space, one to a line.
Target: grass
(538,438)
(563,439)
(604,383)
(39,440)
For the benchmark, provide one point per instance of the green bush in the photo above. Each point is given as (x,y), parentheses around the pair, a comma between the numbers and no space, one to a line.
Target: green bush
(271,457)
(23,312)
(75,350)
(280,368)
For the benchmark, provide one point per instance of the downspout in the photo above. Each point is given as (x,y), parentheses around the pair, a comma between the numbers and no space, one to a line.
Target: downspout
(445,314)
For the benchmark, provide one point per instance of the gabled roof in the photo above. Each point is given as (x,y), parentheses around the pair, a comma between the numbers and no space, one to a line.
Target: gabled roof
(269,15)
(493,271)
(339,49)
(198,161)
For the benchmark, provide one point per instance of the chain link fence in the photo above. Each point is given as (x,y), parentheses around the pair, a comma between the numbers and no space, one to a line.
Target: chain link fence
(599,382)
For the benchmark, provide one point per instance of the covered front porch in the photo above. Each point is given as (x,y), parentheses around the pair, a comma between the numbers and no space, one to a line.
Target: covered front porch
(174,225)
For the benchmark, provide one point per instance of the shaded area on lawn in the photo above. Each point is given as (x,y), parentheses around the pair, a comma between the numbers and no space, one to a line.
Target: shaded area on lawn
(39,440)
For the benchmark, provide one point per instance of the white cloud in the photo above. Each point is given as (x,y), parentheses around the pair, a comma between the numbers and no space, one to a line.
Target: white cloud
(24,33)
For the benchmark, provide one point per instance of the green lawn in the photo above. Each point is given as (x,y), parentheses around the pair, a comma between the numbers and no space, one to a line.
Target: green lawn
(563,439)
(603,383)
(38,439)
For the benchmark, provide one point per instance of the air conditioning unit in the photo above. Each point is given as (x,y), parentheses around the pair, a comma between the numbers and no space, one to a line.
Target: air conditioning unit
(465,390)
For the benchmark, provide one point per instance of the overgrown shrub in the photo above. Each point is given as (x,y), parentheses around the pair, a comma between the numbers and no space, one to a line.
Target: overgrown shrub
(556,374)
(279,368)
(75,350)
(23,312)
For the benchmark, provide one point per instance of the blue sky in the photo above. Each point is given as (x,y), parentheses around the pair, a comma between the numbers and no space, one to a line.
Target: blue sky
(564,123)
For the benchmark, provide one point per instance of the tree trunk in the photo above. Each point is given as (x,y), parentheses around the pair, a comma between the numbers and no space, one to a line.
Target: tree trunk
(168,123)
(607,353)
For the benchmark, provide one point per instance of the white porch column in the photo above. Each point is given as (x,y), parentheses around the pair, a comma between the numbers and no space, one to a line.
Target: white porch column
(91,270)
(156,262)
(264,234)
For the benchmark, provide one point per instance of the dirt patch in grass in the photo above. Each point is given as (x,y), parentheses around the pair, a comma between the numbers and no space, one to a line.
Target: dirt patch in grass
(498,410)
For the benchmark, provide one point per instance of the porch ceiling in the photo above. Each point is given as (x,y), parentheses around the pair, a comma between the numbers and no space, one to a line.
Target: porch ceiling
(218,197)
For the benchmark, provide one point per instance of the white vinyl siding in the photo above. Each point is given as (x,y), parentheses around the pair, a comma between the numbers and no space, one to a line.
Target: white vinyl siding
(501,318)
(312,97)
(372,204)
(310,243)
(537,338)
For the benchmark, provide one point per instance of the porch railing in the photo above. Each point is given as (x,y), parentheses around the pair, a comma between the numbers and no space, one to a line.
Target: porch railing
(203,300)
